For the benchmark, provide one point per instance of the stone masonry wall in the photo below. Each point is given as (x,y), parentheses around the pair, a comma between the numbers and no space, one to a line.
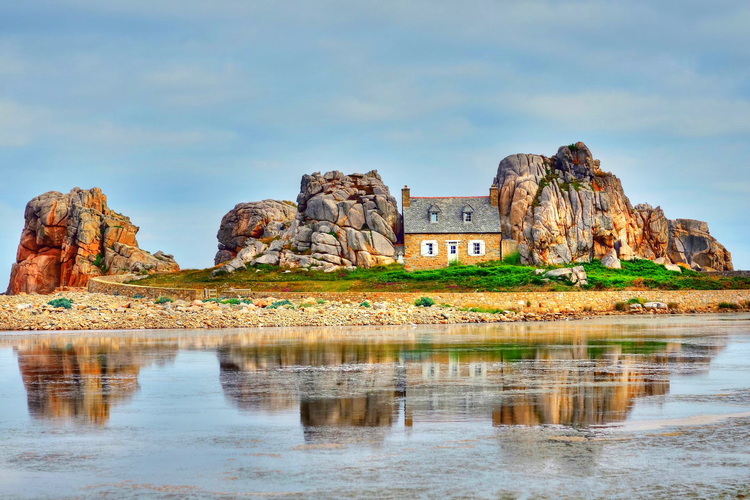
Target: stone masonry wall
(414,260)
(114,285)
(538,302)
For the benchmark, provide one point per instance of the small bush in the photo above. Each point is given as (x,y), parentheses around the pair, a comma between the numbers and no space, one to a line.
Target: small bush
(728,305)
(61,302)
(321,301)
(306,304)
(280,303)
(637,300)
(621,306)
(212,300)
(139,296)
(99,262)
(573,147)
(366,303)
(424,302)
(163,300)
(233,302)
(246,301)
(673,305)
(513,259)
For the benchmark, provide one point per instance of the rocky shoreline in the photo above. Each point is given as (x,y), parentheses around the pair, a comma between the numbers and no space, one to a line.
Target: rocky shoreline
(94,311)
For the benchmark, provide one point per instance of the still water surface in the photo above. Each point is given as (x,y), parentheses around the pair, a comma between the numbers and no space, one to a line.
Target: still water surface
(612,407)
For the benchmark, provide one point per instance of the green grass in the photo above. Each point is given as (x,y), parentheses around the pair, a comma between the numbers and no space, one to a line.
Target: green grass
(496,276)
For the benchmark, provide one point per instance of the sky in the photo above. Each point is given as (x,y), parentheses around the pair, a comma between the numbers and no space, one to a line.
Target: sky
(179,110)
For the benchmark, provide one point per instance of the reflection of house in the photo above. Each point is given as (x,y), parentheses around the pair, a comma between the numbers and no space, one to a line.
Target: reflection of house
(438,231)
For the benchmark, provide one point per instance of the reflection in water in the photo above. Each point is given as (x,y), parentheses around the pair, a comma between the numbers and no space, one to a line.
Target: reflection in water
(573,375)
(359,383)
(82,380)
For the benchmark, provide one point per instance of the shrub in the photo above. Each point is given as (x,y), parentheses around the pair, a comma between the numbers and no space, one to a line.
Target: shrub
(621,306)
(139,296)
(163,300)
(573,147)
(321,301)
(246,301)
(280,303)
(637,300)
(99,262)
(728,305)
(366,303)
(61,302)
(513,259)
(233,302)
(424,302)
(673,305)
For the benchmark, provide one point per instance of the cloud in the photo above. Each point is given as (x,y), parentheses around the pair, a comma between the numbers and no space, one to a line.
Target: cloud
(624,111)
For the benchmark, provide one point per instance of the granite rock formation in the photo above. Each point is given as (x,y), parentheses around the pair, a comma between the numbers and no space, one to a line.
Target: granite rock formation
(67,238)
(258,220)
(340,221)
(565,208)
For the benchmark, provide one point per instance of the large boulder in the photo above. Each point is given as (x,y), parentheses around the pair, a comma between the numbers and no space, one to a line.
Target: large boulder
(565,208)
(339,221)
(67,238)
(248,222)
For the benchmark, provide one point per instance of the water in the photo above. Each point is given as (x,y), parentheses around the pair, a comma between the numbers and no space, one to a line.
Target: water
(614,407)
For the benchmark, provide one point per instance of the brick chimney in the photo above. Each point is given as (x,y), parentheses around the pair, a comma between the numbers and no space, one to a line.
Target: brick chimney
(494,195)
(405,197)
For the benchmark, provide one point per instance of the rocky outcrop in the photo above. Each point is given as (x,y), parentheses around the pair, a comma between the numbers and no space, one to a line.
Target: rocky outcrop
(258,220)
(691,243)
(340,221)
(68,238)
(565,208)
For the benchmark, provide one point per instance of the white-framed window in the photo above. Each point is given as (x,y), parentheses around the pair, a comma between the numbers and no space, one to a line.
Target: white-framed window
(433,216)
(429,248)
(467,216)
(476,248)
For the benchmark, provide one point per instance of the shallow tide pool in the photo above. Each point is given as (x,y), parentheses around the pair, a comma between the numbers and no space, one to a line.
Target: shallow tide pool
(621,407)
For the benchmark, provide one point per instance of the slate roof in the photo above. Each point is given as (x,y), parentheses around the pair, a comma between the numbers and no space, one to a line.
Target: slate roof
(485,217)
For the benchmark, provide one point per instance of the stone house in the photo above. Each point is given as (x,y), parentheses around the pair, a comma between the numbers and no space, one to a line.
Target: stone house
(438,231)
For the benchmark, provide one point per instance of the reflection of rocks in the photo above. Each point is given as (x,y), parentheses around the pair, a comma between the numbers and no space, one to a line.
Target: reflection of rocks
(82,381)
(371,410)
(579,396)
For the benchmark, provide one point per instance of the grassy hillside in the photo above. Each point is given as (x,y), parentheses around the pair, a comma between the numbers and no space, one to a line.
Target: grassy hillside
(491,276)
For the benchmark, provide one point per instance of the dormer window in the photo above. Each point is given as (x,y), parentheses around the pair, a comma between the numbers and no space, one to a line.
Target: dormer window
(468,213)
(434,212)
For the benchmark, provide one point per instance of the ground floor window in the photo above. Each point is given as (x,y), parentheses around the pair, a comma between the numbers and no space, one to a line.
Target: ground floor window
(429,248)
(476,248)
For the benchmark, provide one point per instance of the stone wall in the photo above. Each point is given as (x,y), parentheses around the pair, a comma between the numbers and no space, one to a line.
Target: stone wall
(414,260)
(115,285)
(538,302)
